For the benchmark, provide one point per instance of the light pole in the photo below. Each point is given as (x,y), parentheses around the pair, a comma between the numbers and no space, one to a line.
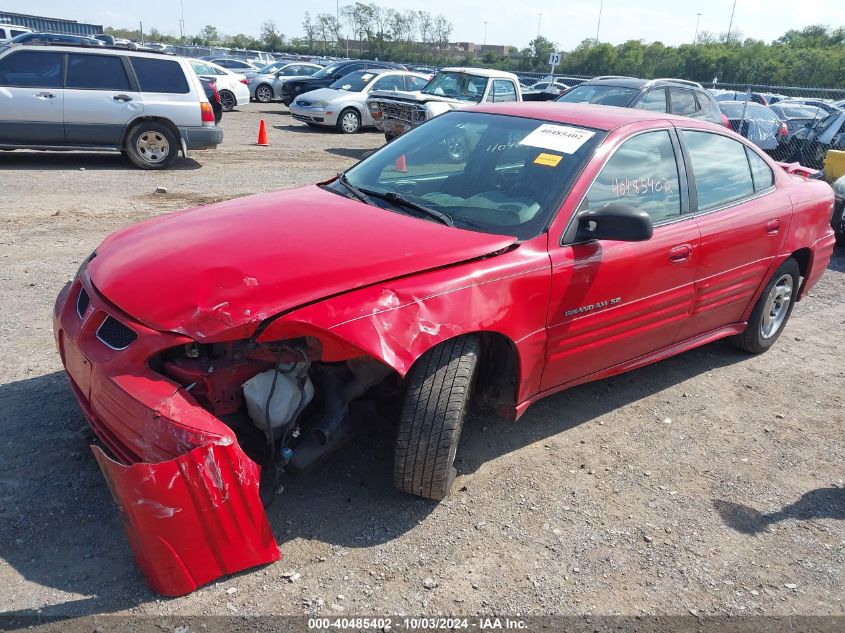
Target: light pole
(539,21)
(182,21)
(730,24)
(598,27)
(695,39)
(485,33)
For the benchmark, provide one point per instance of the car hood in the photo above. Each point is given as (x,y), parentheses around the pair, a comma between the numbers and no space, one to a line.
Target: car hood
(416,97)
(329,94)
(213,271)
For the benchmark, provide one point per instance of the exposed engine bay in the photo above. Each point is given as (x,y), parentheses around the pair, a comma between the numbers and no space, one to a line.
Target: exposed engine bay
(288,409)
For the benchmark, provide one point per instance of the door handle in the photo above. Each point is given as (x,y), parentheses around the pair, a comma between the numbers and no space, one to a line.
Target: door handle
(680,254)
(45,95)
(772,227)
(122,98)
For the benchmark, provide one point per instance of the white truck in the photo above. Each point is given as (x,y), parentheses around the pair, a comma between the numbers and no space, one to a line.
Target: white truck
(395,112)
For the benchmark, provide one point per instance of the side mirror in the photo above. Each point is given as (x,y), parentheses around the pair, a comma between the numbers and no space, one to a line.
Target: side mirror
(614,222)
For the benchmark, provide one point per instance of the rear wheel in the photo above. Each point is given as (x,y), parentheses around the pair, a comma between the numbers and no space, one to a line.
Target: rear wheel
(349,121)
(264,93)
(772,310)
(228,100)
(440,386)
(151,145)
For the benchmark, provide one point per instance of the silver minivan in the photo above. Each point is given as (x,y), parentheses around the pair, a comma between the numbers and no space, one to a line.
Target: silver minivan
(146,105)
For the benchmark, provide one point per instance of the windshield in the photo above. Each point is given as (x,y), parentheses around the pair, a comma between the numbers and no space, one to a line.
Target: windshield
(328,71)
(354,82)
(489,172)
(457,85)
(269,69)
(602,95)
(747,110)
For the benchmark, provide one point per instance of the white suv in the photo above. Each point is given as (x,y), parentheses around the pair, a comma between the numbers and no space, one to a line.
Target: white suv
(146,105)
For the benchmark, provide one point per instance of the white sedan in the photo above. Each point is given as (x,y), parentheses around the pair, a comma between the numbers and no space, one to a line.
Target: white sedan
(344,103)
(233,88)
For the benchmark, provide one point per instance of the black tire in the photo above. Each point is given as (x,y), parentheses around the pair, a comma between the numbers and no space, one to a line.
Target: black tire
(389,137)
(440,386)
(349,121)
(757,338)
(228,100)
(261,93)
(838,222)
(151,145)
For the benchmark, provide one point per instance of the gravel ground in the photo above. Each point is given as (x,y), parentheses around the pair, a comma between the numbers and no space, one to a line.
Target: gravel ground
(709,483)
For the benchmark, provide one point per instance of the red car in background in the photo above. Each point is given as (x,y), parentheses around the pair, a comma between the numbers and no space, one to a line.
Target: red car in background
(569,243)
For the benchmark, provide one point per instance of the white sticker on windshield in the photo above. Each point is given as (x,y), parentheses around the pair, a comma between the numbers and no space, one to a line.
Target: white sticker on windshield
(560,138)
(366,77)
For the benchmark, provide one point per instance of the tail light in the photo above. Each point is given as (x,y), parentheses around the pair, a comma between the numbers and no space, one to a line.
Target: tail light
(244,81)
(216,92)
(725,122)
(783,130)
(207,113)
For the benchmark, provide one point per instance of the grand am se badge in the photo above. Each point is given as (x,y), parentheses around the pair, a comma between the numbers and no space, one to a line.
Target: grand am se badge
(593,306)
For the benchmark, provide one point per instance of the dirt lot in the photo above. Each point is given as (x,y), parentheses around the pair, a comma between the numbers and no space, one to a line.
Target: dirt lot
(711,482)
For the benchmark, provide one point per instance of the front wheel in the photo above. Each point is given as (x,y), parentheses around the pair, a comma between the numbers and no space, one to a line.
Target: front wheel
(440,386)
(772,310)
(151,145)
(228,100)
(349,121)
(264,93)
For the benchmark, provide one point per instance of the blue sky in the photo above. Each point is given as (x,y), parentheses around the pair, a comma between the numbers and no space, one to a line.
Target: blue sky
(508,21)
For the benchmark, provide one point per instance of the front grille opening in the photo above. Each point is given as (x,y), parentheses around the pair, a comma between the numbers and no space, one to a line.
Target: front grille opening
(82,302)
(115,334)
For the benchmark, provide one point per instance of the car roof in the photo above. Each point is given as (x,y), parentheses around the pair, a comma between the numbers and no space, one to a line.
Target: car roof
(481,72)
(93,50)
(600,117)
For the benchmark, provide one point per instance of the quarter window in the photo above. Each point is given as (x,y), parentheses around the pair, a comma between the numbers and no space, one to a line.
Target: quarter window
(160,75)
(32,69)
(96,72)
(761,173)
(415,83)
(643,174)
(721,169)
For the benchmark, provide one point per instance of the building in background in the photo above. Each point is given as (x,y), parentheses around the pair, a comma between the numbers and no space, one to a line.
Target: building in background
(50,25)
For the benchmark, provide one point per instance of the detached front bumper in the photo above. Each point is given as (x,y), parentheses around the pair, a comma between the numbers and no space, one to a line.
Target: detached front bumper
(206,137)
(186,491)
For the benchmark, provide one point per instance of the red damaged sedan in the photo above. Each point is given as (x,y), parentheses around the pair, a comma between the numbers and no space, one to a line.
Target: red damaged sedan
(217,350)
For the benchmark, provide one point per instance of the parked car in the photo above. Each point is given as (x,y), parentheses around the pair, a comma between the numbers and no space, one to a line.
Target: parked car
(343,104)
(78,97)
(798,116)
(451,89)
(545,90)
(209,84)
(118,42)
(828,106)
(325,77)
(565,249)
(8,31)
(233,87)
(737,95)
(676,96)
(55,38)
(239,66)
(267,86)
(809,145)
(158,46)
(759,124)
(837,221)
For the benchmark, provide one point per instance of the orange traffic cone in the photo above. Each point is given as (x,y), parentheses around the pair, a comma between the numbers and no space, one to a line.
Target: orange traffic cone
(262,134)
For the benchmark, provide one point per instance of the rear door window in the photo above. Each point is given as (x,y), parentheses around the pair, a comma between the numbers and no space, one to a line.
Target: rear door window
(720,167)
(683,101)
(654,101)
(160,75)
(391,82)
(96,72)
(502,90)
(32,69)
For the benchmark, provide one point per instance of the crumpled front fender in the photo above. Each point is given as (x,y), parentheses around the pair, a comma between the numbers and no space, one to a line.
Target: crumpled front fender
(193,518)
